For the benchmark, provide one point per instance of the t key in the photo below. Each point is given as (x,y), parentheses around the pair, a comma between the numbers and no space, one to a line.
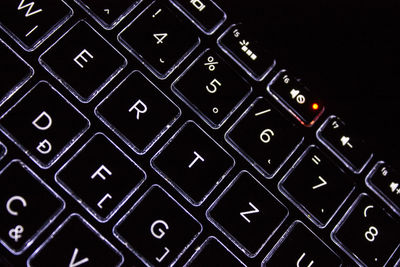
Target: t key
(160,39)
(193,163)
(27,206)
(43,124)
(367,233)
(264,137)
(31,22)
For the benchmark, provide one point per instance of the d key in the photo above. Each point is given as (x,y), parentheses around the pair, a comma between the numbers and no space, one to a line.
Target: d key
(43,124)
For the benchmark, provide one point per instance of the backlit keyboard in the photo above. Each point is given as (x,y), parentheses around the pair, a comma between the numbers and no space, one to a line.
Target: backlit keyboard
(166,133)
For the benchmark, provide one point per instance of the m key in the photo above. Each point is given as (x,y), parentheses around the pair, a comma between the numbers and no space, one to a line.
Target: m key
(30,22)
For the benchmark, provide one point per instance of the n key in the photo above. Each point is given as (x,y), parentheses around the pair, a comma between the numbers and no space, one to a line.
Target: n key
(30,22)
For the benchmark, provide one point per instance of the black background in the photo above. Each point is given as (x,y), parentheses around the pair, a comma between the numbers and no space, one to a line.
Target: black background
(345,51)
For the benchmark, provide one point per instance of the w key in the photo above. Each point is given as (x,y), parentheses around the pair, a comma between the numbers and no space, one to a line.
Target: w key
(31,22)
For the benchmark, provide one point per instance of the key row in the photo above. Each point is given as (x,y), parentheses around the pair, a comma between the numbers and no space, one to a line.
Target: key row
(246,212)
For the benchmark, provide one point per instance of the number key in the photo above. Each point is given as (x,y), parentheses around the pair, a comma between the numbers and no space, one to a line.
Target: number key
(160,39)
(264,137)
(367,233)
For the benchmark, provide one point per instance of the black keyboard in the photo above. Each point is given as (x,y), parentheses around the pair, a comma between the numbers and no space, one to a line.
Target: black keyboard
(180,133)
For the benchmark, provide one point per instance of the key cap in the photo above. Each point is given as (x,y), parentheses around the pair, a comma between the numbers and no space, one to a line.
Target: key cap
(43,124)
(108,13)
(205,14)
(30,22)
(301,247)
(244,48)
(160,236)
(193,163)
(16,74)
(3,150)
(385,181)
(296,98)
(367,233)
(27,206)
(264,137)
(213,253)
(83,61)
(316,186)
(344,143)
(211,88)
(138,112)
(159,40)
(100,177)
(76,243)
(247,213)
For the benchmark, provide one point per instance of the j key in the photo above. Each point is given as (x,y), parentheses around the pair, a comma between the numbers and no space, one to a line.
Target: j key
(43,124)
(301,247)
(193,163)
(247,213)
(83,61)
(296,98)
(213,253)
(243,47)
(385,181)
(31,22)
(138,112)
(108,12)
(264,137)
(205,13)
(15,71)
(367,233)
(212,88)
(158,237)
(317,186)
(159,39)
(349,147)
(76,243)
(101,182)
(27,206)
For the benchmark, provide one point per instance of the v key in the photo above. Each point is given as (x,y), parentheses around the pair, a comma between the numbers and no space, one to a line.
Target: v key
(72,263)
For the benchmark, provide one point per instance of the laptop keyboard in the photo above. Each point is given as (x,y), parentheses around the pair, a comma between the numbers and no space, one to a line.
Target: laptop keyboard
(160,133)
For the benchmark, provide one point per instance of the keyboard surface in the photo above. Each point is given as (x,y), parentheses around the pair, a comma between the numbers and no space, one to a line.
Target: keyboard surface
(199,133)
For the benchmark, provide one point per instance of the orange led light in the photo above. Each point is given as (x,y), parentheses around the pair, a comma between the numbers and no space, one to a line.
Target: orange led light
(315,106)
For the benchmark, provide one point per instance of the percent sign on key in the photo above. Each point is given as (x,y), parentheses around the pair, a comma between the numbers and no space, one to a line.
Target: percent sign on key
(211,63)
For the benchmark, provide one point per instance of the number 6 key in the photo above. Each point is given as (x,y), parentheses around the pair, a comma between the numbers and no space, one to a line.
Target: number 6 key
(367,233)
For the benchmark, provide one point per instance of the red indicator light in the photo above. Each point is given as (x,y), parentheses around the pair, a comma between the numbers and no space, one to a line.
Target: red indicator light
(315,106)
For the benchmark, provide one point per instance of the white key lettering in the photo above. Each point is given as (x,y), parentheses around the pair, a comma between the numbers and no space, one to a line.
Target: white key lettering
(43,121)
(10,202)
(140,108)
(254,210)
(30,5)
(99,172)
(72,263)
(81,56)
(158,228)
(198,157)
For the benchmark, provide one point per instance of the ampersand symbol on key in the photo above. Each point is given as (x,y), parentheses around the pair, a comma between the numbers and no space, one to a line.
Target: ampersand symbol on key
(16,233)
